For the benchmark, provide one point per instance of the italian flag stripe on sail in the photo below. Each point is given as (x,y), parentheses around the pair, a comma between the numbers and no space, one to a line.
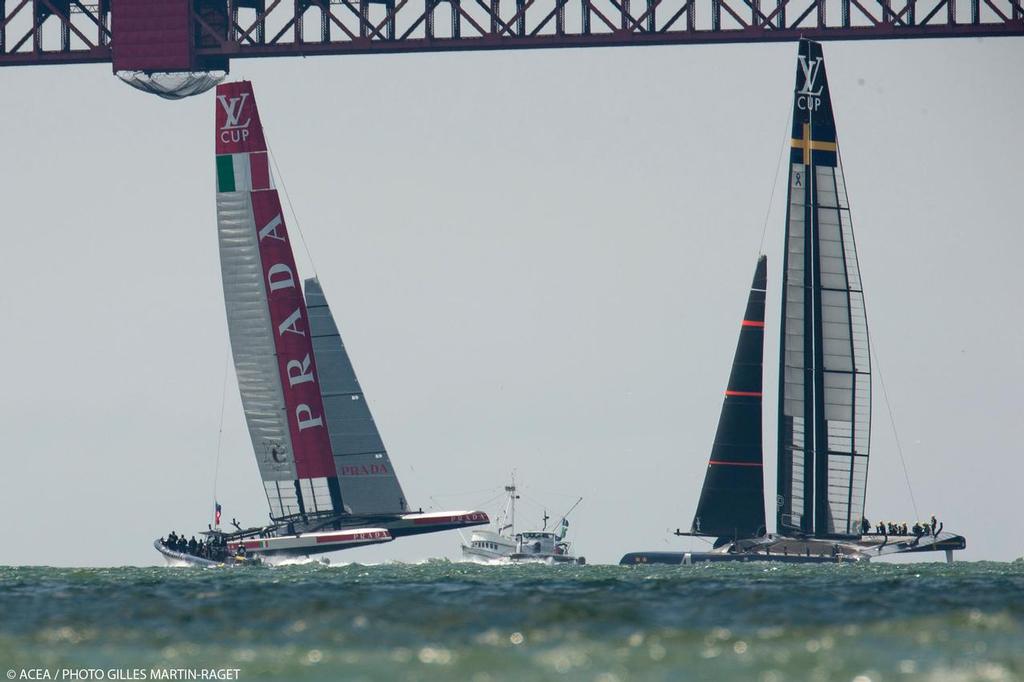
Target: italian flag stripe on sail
(243,172)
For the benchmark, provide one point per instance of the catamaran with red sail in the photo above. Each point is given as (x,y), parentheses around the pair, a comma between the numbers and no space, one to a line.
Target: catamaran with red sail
(327,476)
(824,394)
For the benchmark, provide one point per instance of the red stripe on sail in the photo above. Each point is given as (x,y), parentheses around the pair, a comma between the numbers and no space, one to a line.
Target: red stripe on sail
(745,394)
(259,171)
(753,323)
(289,323)
(735,464)
(238,122)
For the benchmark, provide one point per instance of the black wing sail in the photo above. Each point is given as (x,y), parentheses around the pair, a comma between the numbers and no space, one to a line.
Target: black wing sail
(732,500)
(824,373)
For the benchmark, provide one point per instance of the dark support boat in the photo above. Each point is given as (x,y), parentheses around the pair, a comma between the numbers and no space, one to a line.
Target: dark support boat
(327,476)
(824,416)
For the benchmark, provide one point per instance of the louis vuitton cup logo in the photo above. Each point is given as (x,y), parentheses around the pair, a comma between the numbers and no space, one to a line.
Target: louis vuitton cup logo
(807,98)
(234,128)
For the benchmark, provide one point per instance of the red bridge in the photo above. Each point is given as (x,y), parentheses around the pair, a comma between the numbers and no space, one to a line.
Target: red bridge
(183,35)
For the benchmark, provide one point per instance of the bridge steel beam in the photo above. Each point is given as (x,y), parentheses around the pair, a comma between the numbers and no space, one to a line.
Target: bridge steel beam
(216,31)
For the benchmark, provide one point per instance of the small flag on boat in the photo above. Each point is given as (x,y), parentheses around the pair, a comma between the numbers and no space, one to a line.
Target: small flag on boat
(564,529)
(216,513)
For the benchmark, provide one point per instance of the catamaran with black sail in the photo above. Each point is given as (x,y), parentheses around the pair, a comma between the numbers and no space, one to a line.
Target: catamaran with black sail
(824,416)
(326,473)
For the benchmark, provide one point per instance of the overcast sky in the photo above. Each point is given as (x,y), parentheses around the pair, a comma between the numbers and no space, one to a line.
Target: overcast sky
(538,261)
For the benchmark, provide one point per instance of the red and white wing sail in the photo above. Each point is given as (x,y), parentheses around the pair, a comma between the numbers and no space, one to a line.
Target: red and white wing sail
(267,319)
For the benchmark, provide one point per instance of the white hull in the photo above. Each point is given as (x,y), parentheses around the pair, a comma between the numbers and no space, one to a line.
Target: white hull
(489,547)
(312,543)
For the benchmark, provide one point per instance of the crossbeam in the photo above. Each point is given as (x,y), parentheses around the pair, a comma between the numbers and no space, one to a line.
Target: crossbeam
(72,32)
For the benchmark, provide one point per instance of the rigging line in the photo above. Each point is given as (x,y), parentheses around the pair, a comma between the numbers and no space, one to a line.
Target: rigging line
(549,492)
(775,181)
(892,422)
(534,502)
(490,500)
(469,492)
(291,209)
(486,502)
(220,428)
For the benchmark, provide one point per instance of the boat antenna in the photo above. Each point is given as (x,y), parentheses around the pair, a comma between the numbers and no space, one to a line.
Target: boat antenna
(546,517)
(512,497)
(220,429)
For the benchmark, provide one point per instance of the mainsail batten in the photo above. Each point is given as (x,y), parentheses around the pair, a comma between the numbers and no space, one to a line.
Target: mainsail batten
(267,320)
(732,500)
(368,480)
(824,378)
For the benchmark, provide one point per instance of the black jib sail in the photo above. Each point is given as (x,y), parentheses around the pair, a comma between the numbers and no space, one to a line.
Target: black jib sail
(732,500)
(824,373)
(368,481)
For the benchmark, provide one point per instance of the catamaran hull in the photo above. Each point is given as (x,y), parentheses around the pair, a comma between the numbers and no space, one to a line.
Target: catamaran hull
(385,529)
(781,549)
(307,544)
(684,558)
(402,525)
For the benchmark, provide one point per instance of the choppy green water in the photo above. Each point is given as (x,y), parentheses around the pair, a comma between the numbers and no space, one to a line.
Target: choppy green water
(443,621)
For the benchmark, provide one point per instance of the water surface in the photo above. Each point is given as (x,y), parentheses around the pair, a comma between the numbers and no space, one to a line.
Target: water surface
(450,621)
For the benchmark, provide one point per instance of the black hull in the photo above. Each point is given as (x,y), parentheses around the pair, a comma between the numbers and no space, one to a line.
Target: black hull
(789,550)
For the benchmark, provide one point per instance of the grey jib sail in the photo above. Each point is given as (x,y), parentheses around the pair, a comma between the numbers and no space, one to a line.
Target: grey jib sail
(732,499)
(824,374)
(368,481)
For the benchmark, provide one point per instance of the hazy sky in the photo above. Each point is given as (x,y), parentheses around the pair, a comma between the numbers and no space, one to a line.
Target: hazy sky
(538,261)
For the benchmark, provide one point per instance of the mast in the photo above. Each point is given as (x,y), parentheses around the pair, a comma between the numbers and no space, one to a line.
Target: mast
(369,483)
(732,500)
(824,374)
(268,322)
(512,497)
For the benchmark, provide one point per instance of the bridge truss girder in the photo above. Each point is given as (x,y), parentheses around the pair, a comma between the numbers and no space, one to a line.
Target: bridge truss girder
(212,32)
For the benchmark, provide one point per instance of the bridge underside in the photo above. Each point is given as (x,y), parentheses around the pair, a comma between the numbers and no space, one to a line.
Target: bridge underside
(184,35)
